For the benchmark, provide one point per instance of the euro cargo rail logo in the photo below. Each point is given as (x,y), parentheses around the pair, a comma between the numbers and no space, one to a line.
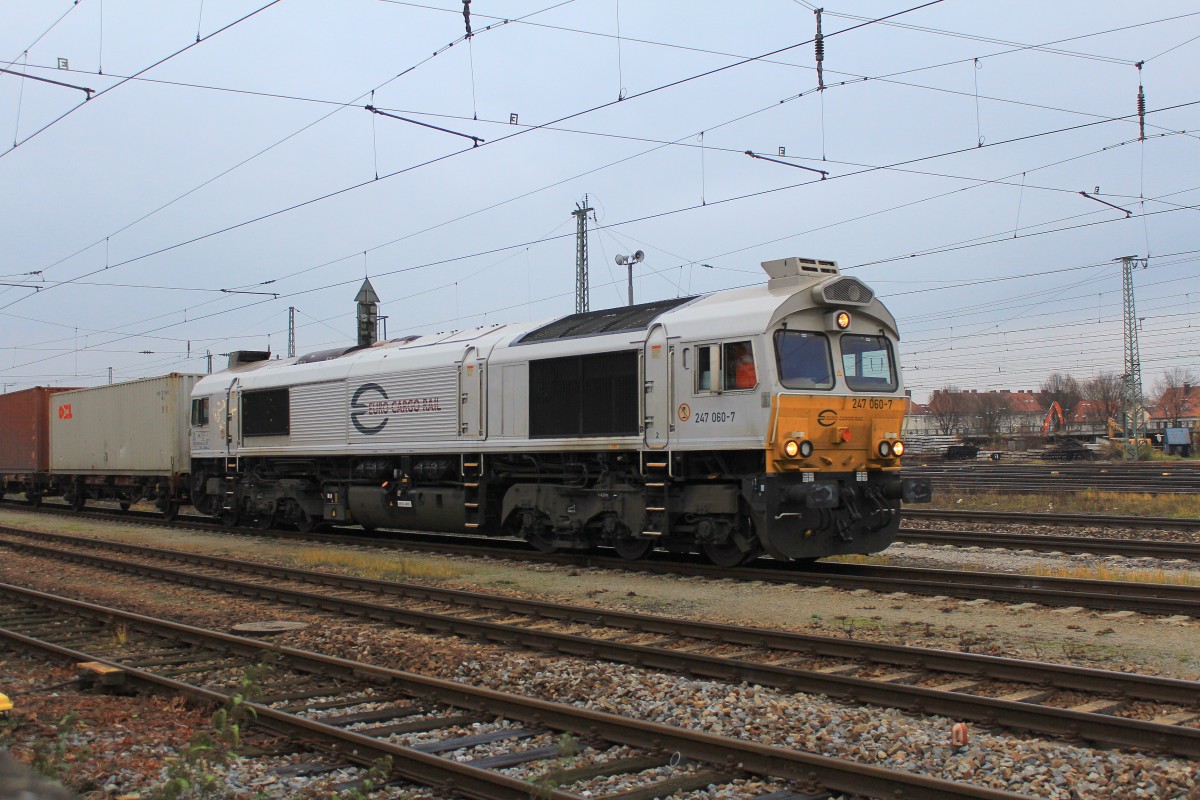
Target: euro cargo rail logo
(371,408)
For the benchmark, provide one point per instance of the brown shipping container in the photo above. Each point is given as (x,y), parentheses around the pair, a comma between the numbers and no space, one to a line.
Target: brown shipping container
(25,429)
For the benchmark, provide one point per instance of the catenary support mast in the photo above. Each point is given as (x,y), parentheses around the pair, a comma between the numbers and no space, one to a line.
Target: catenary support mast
(581,257)
(1131,388)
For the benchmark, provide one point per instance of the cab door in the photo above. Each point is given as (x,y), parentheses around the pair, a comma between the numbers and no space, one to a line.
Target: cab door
(471,385)
(659,387)
(231,427)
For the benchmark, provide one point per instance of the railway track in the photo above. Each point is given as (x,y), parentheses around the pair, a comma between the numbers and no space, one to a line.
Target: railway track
(314,697)
(1048,518)
(1108,707)
(1131,548)
(1150,478)
(1101,595)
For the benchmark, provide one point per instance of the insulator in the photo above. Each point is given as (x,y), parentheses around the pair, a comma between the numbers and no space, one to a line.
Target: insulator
(820,44)
(1141,102)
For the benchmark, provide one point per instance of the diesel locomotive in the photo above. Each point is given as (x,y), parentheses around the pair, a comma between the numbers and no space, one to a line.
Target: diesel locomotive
(759,419)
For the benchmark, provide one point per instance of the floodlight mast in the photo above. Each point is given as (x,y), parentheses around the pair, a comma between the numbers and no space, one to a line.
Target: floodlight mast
(628,262)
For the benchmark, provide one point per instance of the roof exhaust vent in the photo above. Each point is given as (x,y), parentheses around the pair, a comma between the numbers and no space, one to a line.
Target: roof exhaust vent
(240,358)
(791,272)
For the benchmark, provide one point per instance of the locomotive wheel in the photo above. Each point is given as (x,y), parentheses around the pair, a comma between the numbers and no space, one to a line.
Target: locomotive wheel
(632,549)
(542,540)
(306,523)
(229,518)
(171,510)
(124,505)
(265,523)
(77,501)
(753,553)
(725,554)
(34,500)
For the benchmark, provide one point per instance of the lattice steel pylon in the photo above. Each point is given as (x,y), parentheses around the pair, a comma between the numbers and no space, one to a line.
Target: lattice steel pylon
(581,257)
(1132,410)
(291,331)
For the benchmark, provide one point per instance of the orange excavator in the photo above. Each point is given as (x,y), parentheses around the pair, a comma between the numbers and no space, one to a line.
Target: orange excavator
(1055,411)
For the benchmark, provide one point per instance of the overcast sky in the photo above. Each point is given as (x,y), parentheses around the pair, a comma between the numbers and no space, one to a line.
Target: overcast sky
(957,138)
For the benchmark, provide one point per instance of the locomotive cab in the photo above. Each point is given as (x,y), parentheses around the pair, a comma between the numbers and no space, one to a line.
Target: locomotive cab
(833,446)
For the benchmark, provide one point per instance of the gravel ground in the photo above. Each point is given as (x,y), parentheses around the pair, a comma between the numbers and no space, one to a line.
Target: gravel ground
(810,722)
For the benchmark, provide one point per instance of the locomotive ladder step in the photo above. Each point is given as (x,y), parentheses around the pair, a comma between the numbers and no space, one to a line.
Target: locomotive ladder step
(470,524)
(657,464)
(471,505)
(655,485)
(470,485)
(656,508)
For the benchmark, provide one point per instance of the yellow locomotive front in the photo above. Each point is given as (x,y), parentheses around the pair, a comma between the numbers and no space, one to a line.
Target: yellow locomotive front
(832,482)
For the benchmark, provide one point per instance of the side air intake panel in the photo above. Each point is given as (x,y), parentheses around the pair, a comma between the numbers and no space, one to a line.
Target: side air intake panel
(843,292)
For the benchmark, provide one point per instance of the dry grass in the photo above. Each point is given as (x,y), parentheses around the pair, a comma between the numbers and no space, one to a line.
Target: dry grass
(1103,573)
(1088,501)
(374,565)
(873,560)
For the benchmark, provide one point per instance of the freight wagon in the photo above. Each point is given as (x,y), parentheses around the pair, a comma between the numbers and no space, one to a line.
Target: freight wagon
(25,440)
(125,442)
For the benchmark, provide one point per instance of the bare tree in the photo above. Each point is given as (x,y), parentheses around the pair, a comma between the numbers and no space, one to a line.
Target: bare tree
(1104,393)
(1064,390)
(991,410)
(1174,394)
(948,407)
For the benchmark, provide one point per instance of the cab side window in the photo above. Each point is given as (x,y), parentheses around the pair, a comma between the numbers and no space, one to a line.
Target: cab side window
(706,366)
(739,366)
(727,367)
(200,411)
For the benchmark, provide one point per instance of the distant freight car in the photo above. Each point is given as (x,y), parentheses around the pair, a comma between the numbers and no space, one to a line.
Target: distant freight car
(25,437)
(124,442)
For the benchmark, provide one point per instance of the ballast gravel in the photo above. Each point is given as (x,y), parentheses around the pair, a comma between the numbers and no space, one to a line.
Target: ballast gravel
(817,724)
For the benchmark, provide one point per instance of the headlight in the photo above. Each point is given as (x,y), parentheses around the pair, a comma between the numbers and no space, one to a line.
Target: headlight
(898,449)
(885,449)
(806,448)
(842,320)
(791,448)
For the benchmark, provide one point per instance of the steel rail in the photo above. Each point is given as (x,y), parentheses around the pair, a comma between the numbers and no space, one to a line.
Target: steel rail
(737,754)
(1132,548)
(1047,518)
(1046,719)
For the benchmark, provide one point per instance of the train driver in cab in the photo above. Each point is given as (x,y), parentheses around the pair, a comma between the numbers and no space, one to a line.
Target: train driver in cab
(739,370)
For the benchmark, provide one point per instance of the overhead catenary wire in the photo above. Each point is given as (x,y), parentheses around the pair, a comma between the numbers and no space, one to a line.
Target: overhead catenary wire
(1144,220)
(157,63)
(441,158)
(277,143)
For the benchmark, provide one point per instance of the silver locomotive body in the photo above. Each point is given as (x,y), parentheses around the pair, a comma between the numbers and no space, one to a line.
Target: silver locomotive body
(735,422)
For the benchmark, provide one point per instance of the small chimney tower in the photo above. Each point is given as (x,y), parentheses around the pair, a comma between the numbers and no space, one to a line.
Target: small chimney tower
(368,313)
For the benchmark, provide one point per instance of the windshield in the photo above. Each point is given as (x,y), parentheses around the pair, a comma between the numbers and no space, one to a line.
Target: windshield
(867,363)
(804,361)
